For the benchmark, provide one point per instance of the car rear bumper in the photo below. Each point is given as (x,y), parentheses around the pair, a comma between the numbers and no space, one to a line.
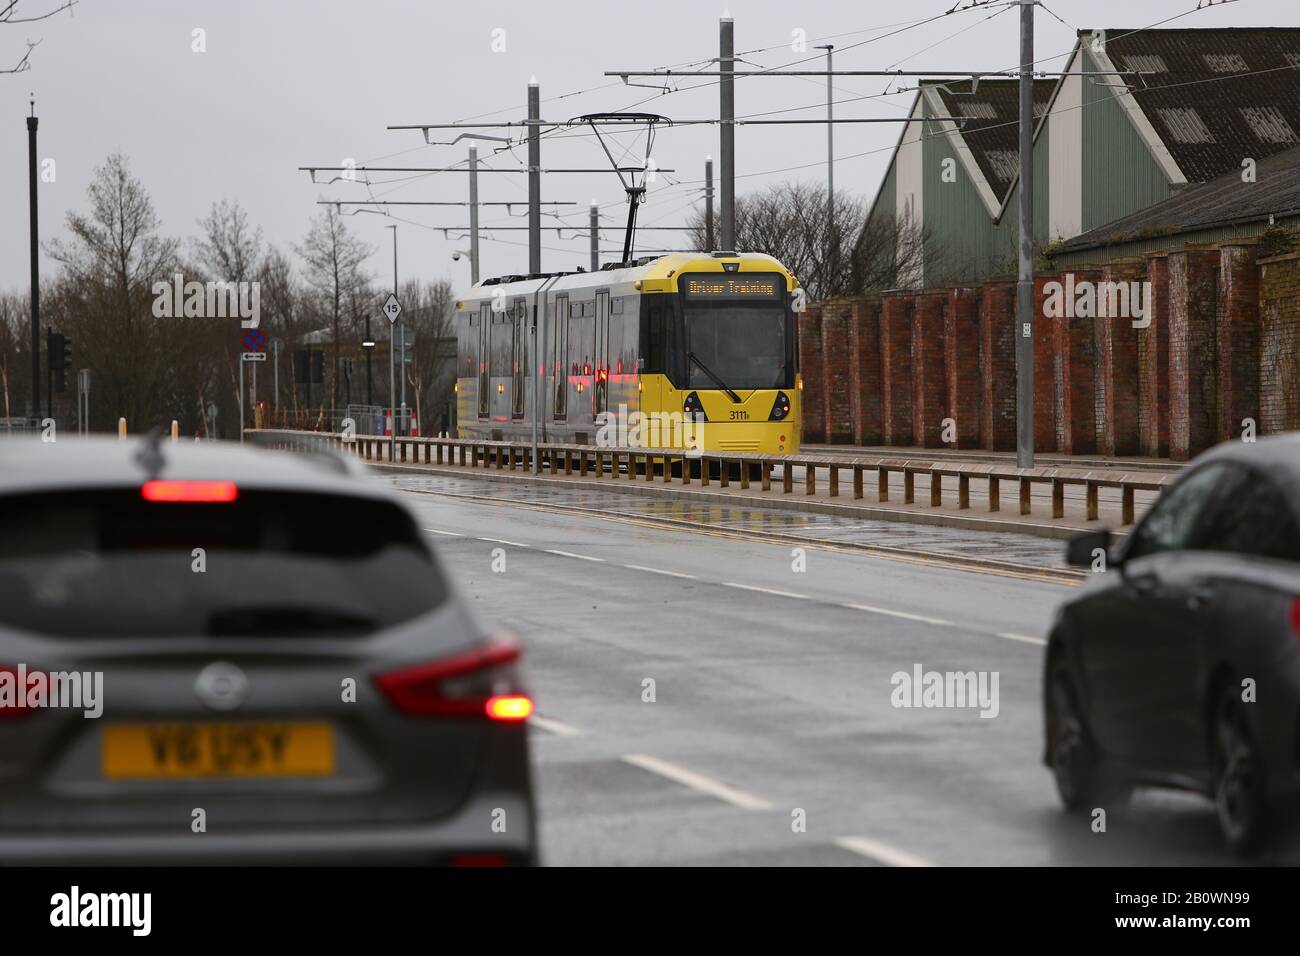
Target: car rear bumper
(467,838)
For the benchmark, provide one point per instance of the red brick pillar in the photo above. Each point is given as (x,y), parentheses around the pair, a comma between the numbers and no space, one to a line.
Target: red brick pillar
(1044,374)
(961,359)
(998,366)
(810,367)
(837,401)
(929,382)
(864,371)
(1153,365)
(1238,339)
(1119,298)
(1279,344)
(1193,382)
(896,369)
(1074,364)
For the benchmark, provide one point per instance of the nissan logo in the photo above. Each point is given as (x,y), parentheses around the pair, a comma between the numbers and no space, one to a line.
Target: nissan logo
(222,686)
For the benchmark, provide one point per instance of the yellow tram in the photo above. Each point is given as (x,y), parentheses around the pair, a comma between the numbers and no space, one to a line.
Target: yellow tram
(695,351)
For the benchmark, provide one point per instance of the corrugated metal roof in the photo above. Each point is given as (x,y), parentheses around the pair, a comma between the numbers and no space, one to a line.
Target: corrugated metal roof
(1220,202)
(992,129)
(1218,95)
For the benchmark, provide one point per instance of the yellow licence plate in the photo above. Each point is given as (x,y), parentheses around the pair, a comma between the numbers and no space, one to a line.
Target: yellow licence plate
(175,751)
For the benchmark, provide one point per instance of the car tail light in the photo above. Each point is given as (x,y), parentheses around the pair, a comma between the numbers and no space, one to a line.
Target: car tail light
(12,708)
(482,682)
(1295,618)
(209,492)
(480,859)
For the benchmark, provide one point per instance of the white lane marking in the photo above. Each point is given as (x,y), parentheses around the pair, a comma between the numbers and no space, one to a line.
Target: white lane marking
(880,852)
(698,782)
(570,554)
(551,726)
(671,574)
(902,614)
(753,587)
(513,544)
(1021,637)
(450,534)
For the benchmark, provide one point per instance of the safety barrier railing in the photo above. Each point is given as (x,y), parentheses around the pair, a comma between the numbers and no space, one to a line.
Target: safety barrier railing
(641,463)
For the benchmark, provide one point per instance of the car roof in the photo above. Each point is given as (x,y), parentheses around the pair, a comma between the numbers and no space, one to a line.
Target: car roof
(28,464)
(1277,455)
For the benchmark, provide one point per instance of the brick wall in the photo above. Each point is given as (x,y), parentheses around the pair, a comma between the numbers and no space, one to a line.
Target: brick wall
(961,360)
(864,371)
(1193,384)
(896,369)
(997,320)
(837,401)
(1117,354)
(1220,342)
(1279,344)
(1153,365)
(1237,345)
(810,367)
(929,383)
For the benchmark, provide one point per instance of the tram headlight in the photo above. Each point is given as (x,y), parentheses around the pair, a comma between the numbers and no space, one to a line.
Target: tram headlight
(780,408)
(692,410)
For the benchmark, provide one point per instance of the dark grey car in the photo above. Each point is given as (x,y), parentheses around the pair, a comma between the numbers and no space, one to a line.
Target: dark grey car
(1179,665)
(286,675)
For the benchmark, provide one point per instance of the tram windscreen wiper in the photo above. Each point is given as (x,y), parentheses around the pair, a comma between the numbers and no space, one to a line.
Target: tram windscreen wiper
(716,381)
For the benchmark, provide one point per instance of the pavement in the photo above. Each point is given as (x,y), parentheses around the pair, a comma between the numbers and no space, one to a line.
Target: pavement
(711,699)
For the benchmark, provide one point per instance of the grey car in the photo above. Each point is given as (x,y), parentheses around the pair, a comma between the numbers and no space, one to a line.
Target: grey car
(281,671)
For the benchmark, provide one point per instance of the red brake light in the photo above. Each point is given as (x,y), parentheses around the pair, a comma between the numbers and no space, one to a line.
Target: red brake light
(1295,618)
(477,683)
(190,491)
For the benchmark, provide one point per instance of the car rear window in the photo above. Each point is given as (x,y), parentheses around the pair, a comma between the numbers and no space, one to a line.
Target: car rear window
(109,563)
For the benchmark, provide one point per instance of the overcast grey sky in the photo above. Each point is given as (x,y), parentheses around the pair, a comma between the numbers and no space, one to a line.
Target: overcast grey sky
(288,83)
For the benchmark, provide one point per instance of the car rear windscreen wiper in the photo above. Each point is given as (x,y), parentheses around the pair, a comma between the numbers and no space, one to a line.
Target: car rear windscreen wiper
(716,381)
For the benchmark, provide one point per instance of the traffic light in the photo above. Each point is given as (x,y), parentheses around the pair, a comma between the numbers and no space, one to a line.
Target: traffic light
(58,355)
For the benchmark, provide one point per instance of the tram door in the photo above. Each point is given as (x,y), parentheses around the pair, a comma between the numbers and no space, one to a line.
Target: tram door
(561,358)
(518,357)
(600,393)
(484,340)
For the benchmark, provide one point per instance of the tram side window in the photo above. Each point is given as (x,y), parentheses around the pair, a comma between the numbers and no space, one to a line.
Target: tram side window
(657,334)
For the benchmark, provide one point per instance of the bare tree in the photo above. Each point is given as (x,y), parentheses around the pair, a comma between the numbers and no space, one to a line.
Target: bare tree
(789,221)
(333,257)
(9,15)
(105,297)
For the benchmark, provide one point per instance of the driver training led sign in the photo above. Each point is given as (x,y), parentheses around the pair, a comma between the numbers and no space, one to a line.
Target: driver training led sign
(717,286)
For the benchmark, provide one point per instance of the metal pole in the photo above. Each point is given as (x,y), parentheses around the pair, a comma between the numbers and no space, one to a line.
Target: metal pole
(241,394)
(708,204)
(370,392)
(727,131)
(1025,286)
(36,267)
(473,215)
(392,373)
(275,372)
(594,228)
(831,245)
(534,179)
(402,368)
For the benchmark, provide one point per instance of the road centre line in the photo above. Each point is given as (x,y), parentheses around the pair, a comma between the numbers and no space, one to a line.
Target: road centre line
(903,614)
(450,534)
(754,587)
(671,574)
(698,782)
(570,554)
